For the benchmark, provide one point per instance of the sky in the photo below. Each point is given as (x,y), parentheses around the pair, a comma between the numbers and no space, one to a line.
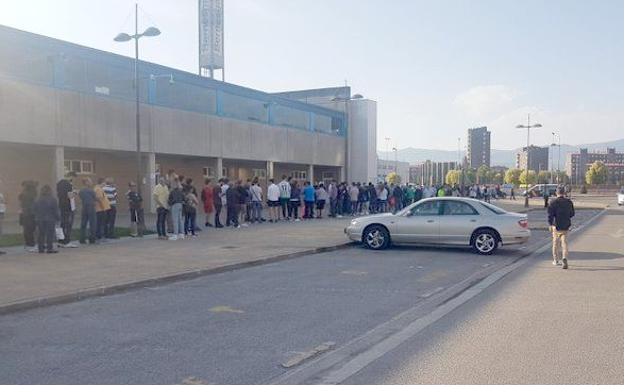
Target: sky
(435,68)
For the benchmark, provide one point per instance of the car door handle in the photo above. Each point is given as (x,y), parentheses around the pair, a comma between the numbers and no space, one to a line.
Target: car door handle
(473,220)
(430,221)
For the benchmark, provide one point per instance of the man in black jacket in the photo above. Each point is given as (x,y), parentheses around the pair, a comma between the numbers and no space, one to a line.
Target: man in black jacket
(560,213)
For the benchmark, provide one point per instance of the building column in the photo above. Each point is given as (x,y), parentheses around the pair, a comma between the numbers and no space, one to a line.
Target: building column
(149,181)
(311,173)
(270,166)
(220,168)
(58,164)
(341,177)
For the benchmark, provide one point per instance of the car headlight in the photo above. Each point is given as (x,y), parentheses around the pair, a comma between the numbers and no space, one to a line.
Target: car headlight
(353,222)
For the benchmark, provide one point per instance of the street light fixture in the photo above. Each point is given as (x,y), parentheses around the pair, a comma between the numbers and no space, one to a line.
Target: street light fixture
(121,38)
(528,154)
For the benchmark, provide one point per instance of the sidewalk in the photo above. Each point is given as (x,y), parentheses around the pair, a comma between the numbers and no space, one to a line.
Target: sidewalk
(539,325)
(28,280)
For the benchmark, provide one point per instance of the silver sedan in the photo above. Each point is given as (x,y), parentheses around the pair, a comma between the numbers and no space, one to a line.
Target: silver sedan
(443,221)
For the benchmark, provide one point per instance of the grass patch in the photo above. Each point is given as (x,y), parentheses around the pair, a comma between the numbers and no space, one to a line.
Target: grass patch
(10,240)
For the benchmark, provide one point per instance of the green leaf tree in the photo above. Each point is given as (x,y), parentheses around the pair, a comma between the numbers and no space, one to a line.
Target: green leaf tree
(512,176)
(470,176)
(531,180)
(597,174)
(482,174)
(543,177)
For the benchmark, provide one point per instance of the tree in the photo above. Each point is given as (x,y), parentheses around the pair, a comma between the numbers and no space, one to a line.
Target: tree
(393,177)
(597,174)
(543,177)
(561,177)
(497,177)
(512,176)
(453,177)
(531,180)
(470,176)
(483,173)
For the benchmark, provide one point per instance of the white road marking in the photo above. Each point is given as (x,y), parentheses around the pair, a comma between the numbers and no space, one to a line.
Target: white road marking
(354,272)
(302,356)
(432,292)
(225,309)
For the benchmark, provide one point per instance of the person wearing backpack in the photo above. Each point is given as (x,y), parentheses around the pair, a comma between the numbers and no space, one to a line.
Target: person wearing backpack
(190,210)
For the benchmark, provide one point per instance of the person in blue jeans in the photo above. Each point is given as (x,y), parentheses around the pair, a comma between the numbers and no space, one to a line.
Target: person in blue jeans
(176,202)
(308,198)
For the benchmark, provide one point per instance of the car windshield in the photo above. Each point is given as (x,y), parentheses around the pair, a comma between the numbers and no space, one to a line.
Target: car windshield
(494,209)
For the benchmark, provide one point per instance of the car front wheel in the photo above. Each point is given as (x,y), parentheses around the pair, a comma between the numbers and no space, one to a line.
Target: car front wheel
(485,242)
(376,237)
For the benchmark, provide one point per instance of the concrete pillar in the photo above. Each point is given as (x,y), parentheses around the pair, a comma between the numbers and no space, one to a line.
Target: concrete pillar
(341,177)
(58,165)
(270,167)
(149,180)
(311,173)
(220,168)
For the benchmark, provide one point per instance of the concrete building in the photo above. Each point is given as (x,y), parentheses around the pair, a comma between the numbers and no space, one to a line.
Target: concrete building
(385,167)
(361,116)
(478,147)
(66,107)
(577,165)
(538,158)
(431,173)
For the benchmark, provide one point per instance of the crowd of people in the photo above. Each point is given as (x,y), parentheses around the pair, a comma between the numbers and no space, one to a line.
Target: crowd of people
(223,203)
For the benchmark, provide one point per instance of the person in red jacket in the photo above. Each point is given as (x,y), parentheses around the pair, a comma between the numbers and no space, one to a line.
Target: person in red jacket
(208,200)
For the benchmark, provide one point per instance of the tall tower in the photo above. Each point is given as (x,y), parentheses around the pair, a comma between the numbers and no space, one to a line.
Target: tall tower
(478,147)
(211,53)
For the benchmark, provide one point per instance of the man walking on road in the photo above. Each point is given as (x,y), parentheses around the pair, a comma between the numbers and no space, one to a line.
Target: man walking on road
(560,213)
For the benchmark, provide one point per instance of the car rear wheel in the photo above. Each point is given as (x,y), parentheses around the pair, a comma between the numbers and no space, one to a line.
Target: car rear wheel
(376,237)
(485,242)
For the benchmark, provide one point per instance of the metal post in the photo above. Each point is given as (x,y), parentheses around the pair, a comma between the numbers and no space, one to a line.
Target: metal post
(139,180)
(528,157)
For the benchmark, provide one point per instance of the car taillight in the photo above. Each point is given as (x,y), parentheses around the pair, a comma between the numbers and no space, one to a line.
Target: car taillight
(524,223)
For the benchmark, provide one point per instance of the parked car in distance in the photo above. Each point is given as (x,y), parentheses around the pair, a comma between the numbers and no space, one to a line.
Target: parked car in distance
(538,190)
(446,221)
(506,189)
(620,198)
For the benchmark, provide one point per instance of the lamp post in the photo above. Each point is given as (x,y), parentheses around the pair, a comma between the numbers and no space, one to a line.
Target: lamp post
(528,155)
(124,37)
(396,162)
(558,154)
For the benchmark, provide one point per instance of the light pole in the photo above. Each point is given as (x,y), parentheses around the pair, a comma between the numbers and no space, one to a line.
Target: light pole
(528,155)
(124,37)
(558,154)
(396,161)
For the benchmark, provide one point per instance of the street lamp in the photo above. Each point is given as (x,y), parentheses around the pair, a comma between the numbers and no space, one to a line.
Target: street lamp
(396,162)
(554,134)
(528,154)
(124,37)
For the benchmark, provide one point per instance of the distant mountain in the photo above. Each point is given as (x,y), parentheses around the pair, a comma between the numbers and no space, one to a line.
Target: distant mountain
(497,157)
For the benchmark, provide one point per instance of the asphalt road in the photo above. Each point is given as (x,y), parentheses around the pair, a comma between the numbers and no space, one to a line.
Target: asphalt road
(230,328)
(236,327)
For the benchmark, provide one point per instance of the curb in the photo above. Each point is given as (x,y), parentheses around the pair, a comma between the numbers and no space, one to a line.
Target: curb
(101,291)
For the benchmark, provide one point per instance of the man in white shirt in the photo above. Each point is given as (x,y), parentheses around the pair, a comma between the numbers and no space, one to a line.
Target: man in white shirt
(284,198)
(256,201)
(273,197)
(225,185)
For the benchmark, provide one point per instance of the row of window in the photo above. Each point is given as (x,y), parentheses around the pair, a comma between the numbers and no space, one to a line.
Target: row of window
(91,76)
